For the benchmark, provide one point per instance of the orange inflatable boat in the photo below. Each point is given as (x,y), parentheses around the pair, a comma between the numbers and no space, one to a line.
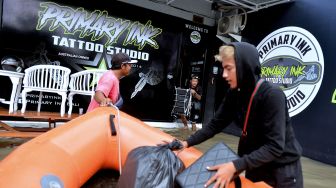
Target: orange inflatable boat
(69,155)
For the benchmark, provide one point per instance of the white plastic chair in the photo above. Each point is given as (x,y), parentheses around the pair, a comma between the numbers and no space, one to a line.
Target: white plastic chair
(16,79)
(46,78)
(83,83)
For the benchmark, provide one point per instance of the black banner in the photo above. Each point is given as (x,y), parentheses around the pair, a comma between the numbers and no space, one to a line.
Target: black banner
(83,37)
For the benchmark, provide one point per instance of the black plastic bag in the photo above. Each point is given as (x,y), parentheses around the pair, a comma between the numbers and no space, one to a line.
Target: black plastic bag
(151,166)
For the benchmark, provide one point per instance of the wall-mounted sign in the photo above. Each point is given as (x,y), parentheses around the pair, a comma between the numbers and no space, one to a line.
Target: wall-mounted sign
(292,58)
(103,30)
(195,37)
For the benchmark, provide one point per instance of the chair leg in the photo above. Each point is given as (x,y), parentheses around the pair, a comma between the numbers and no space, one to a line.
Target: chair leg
(18,91)
(40,101)
(70,97)
(24,101)
(64,97)
(15,83)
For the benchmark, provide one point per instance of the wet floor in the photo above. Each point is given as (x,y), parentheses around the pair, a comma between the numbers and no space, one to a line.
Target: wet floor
(315,174)
(8,144)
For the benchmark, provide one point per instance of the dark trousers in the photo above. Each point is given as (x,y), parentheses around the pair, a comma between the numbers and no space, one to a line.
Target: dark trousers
(278,176)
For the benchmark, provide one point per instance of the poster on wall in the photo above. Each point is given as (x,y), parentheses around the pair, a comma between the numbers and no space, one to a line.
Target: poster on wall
(292,58)
(82,37)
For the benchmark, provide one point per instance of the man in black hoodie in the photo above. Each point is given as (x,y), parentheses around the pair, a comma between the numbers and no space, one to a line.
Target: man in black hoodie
(268,148)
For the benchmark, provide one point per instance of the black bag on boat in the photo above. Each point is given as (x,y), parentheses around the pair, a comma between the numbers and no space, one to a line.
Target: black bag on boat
(196,175)
(151,167)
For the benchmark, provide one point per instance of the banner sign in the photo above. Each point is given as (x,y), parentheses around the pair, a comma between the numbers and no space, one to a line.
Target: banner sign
(292,58)
(99,27)
(83,38)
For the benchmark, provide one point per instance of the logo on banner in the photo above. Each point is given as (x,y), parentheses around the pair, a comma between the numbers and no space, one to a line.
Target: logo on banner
(333,98)
(195,37)
(292,58)
(73,27)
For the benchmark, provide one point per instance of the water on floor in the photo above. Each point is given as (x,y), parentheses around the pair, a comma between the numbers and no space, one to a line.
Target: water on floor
(8,144)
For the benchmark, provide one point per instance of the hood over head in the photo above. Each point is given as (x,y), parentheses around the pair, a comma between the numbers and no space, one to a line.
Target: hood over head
(248,67)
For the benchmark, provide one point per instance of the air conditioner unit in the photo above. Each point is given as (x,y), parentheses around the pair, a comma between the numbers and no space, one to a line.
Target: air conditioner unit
(229,24)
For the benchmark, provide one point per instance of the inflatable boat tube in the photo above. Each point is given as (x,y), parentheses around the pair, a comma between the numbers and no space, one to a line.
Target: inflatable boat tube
(71,154)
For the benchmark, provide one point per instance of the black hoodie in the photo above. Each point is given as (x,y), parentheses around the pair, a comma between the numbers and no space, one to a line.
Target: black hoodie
(270,137)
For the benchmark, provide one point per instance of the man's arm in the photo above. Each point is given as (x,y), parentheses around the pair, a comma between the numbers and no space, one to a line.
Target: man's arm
(101,99)
(196,95)
(223,117)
